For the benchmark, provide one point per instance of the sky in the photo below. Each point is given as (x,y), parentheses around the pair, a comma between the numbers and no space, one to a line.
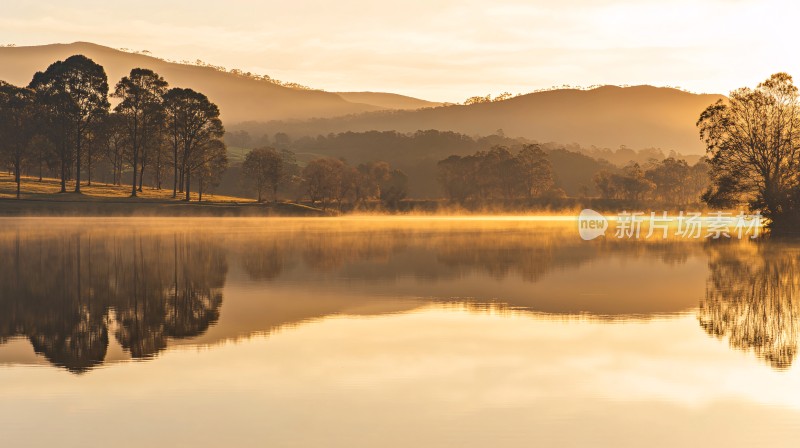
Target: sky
(441,50)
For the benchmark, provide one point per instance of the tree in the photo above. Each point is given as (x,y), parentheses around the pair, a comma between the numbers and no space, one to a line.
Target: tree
(345,190)
(629,185)
(175,117)
(142,111)
(281,140)
(456,175)
(478,100)
(634,185)
(325,180)
(670,177)
(394,188)
(41,152)
(369,177)
(699,179)
(604,181)
(752,141)
(194,123)
(112,138)
(160,157)
(16,126)
(264,169)
(209,164)
(74,94)
(498,174)
(676,182)
(536,173)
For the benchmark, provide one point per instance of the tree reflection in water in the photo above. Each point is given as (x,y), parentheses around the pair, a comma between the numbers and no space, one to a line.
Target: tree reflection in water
(67,291)
(752,299)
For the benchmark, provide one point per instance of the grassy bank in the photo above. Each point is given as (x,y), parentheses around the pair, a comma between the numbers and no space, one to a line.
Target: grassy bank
(44,199)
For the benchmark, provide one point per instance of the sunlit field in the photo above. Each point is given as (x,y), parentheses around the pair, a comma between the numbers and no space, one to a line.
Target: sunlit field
(49,189)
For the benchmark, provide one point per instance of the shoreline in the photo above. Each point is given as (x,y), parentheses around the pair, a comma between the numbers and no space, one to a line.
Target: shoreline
(149,207)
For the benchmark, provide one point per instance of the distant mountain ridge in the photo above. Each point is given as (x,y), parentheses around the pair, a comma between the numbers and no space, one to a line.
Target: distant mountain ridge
(606,117)
(240,98)
(387,100)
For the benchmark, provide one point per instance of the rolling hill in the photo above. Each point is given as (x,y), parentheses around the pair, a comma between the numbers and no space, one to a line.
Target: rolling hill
(608,116)
(239,97)
(638,117)
(387,100)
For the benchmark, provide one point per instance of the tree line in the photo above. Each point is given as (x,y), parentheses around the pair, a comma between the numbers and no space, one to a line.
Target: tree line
(417,153)
(324,181)
(500,174)
(62,123)
(496,174)
(670,181)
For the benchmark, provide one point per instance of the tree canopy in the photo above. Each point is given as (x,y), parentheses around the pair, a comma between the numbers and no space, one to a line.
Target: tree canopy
(74,95)
(753,143)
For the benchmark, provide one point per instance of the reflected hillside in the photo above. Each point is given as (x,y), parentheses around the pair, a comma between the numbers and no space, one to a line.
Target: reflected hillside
(522,265)
(443,251)
(86,291)
(753,299)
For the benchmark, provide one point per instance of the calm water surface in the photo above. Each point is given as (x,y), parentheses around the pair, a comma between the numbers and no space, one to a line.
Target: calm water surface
(391,332)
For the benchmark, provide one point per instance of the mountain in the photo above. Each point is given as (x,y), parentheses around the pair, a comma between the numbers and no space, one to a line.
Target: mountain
(638,117)
(387,100)
(239,97)
(608,116)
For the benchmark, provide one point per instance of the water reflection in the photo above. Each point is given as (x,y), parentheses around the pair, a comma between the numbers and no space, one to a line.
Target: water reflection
(66,291)
(75,290)
(439,254)
(752,299)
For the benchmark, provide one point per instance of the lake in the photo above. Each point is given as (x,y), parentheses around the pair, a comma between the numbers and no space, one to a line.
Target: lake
(391,332)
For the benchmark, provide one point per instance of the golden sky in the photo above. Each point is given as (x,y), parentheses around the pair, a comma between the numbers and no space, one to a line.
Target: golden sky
(441,50)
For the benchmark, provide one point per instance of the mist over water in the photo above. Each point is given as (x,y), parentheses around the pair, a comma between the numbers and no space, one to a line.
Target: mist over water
(513,325)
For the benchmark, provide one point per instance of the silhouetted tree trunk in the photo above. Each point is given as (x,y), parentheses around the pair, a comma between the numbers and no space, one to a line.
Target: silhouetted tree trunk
(141,176)
(188,185)
(63,167)
(78,144)
(135,158)
(17,176)
(89,165)
(175,175)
